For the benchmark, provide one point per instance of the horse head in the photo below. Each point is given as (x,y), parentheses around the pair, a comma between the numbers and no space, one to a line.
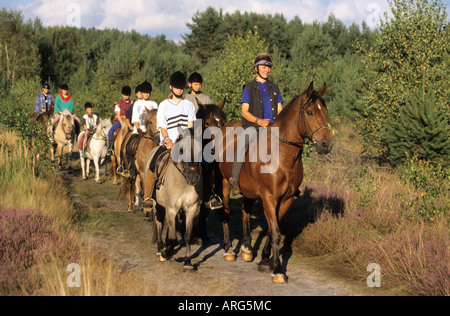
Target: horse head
(305,118)
(103,129)
(212,115)
(187,153)
(314,113)
(151,126)
(67,123)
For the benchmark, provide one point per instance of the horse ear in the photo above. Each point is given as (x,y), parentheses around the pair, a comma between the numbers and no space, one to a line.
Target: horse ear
(148,111)
(323,90)
(310,90)
(200,103)
(222,103)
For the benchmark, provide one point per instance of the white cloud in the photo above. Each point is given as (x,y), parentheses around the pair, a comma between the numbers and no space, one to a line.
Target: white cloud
(169,17)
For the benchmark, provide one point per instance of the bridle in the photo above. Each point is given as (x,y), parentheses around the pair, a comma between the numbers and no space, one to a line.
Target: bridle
(308,136)
(183,170)
(63,123)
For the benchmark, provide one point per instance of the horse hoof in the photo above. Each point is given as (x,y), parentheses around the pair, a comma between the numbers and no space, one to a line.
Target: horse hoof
(279,279)
(247,257)
(264,268)
(188,269)
(160,258)
(229,257)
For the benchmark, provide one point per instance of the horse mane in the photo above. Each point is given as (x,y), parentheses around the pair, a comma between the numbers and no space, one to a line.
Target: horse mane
(64,114)
(313,98)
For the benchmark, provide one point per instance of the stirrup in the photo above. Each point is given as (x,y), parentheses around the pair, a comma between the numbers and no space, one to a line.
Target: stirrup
(110,152)
(217,205)
(120,169)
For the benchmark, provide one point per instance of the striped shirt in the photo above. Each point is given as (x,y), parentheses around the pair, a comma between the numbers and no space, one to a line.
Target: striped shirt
(172,115)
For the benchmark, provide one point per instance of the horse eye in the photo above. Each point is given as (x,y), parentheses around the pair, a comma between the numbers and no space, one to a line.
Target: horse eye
(310,113)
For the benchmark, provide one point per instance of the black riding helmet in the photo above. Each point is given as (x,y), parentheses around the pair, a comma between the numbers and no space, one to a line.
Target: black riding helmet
(146,87)
(178,80)
(195,77)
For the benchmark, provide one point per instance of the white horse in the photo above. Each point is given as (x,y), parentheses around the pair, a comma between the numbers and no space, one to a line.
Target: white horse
(64,136)
(97,150)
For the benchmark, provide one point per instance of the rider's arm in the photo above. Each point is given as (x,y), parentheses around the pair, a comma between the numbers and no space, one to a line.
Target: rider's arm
(167,140)
(251,118)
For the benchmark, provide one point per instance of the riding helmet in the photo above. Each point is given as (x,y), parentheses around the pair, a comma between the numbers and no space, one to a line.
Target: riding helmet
(146,87)
(195,77)
(178,80)
(263,60)
(126,91)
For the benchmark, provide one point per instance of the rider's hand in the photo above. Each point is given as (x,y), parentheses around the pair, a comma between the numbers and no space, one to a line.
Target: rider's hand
(169,144)
(264,123)
(140,132)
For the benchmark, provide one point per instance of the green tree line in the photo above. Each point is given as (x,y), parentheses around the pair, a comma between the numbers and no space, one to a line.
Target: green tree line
(371,74)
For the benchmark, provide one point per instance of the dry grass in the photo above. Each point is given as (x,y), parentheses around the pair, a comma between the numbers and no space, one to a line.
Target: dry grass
(34,204)
(358,213)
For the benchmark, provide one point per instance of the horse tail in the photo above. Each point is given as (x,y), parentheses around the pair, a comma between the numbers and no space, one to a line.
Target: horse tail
(126,186)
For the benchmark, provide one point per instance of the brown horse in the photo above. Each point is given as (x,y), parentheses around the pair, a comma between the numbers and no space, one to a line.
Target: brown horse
(305,118)
(132,185)
(116,160)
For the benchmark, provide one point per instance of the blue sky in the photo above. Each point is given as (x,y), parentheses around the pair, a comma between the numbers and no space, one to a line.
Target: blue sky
(169,17)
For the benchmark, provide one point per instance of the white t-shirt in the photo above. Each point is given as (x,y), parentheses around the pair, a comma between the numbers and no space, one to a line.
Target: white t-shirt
(172,115)
(139,113)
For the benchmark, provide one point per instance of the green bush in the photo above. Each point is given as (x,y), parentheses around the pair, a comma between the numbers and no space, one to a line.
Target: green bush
(421,129)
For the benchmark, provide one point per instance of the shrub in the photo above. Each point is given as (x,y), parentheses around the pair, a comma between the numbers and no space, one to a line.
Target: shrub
(421,129)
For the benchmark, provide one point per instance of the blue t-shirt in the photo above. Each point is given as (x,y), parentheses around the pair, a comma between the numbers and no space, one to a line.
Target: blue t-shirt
(267,106)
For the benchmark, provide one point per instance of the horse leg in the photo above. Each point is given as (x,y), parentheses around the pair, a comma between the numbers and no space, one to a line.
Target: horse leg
(88,167)
(60,155)
(97,170)
(246,248)
(270,210)
(201,228)
(131,194)
(229,255)
(188,236)
(158,222)
(138,205)
(69,156)
(264,265)
(171,234)
(83,167)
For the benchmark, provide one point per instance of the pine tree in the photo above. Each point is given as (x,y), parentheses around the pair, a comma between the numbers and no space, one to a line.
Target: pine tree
(422,129)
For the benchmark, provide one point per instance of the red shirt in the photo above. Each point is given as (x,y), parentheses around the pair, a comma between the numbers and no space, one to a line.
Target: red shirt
(123,105)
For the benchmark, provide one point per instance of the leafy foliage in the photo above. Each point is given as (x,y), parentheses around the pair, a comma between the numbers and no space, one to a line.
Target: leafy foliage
(422,130)
(410,47)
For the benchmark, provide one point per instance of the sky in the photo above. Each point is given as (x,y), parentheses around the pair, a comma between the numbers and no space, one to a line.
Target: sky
(169,17)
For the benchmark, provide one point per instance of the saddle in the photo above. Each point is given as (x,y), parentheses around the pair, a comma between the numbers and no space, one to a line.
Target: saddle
(82,138)
(130,150)
(158,163)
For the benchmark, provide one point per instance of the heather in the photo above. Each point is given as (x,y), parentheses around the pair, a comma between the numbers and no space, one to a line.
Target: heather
(356,210)
(40,235)
(28,238)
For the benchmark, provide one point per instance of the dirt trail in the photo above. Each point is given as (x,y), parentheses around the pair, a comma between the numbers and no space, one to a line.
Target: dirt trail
(129,244)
